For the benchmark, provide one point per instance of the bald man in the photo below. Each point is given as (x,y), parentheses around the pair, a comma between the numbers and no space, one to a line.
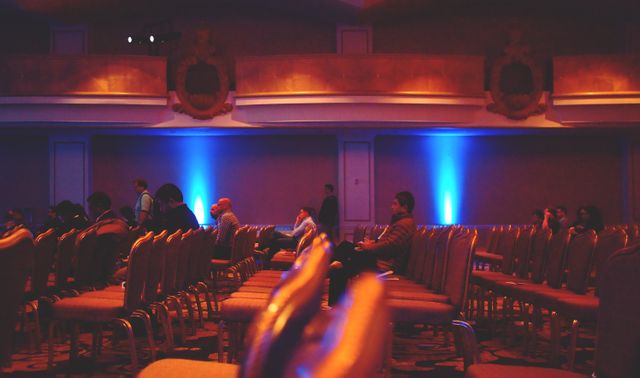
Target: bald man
(227,226)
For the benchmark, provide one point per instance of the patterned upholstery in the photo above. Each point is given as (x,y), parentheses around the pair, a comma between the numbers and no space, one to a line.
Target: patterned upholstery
(172,367)
(493,370)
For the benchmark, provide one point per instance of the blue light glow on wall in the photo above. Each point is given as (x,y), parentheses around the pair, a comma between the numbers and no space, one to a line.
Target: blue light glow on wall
(446,154)
(198,181)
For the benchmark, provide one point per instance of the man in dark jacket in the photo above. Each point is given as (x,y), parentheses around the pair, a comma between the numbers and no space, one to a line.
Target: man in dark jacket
(328,216)
(379,255)
(175,213)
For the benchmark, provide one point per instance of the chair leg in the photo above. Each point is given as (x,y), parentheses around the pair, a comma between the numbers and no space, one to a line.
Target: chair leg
(189,306)
(146,320)
(73,353)
(571,353)
(162,313)
(126,325)
(555,337)
(52,327)
(221,328)
(173,301)
(36,332)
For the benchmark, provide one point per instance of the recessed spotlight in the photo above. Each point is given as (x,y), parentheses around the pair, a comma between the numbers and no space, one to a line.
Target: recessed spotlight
(151,38)
(130,39)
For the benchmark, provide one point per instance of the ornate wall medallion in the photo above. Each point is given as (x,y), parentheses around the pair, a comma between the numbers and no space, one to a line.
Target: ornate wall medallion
(516,83)
(202,83)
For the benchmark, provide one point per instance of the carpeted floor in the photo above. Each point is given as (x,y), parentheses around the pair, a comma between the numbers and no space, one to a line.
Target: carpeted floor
(416,353)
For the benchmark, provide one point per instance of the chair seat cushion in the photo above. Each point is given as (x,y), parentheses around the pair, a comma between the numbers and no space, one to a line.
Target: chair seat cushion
(249,294)
(268,273)
(261,282)
(416,295)
(284,256)
(256,289)
(508,371)
(402,284)
(405,310)
(576,306)
(488,256)
(172,367)
(241,309)
(87,309)
(220,264)
(104,294)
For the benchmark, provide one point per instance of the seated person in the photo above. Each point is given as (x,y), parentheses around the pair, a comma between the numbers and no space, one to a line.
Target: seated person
(174,213)
(71,216)
(379,255)
(587,218)
(289,240)
(228,224)
(550,220)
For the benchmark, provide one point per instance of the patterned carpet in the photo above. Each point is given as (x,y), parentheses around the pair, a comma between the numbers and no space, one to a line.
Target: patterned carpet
(416,353)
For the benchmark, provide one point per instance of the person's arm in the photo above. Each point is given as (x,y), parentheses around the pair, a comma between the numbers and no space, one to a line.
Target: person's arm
(300,227)
(145,208)
(396,237)
(223,228)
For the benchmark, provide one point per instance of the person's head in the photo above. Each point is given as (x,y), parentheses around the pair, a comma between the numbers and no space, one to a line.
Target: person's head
(65,210)
(214,211)
(403,203)
(328,189)
(168,196)
(224,204)
(140,185)
(583,215)
(561,211)
(52,213)
(537,216)
(306,212)
(99,202)
(551,212)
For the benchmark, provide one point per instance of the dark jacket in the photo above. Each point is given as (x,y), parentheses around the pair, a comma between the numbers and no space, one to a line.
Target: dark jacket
(394,243)
(328,215)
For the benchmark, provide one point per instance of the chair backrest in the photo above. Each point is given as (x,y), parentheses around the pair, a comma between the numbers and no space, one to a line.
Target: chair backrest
(154,272)
(539,249)
(458,266)
(182,269)
(46,245)
(429,257)
(492,241)
(440,249)
(237,249)
(579,260)
(64,257)
(618,328)
(500,232)
(16,261)
(250,242)
(170,263)
(417,252)
(85,259)
(306,239)
(348,341)
(557,252)
(274,333)
(608,243)
(358,233)
(521,252)
(506,248)
(195,255)
(112,240)
(137,272)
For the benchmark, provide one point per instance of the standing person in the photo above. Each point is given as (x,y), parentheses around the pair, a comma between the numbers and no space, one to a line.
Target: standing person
(561,216)
(175,213)
(228,224)
(144,202)
(376,255)
(328,215)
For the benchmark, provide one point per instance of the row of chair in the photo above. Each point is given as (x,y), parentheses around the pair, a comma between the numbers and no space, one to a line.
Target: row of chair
(288,334)
(553,272)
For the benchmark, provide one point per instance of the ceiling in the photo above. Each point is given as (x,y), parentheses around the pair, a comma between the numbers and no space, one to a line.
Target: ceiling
(334,10)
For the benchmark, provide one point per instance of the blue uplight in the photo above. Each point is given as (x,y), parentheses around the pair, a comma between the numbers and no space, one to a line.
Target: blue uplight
(446,162)
(198,182)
